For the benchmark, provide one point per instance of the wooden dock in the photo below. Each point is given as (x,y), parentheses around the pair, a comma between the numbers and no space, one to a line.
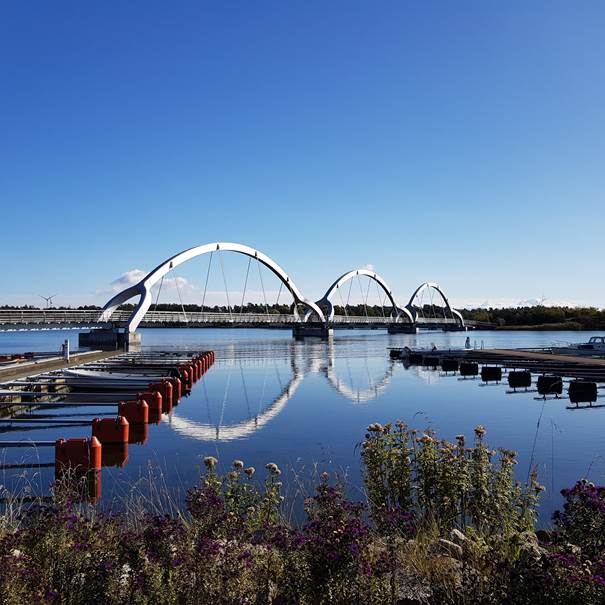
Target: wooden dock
(31,368)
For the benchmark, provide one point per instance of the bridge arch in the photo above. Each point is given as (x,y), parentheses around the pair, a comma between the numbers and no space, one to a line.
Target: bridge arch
(143,288)
(413,310)
(326,300)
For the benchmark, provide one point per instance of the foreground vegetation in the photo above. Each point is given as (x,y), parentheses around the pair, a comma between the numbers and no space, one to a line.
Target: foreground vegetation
(442,523)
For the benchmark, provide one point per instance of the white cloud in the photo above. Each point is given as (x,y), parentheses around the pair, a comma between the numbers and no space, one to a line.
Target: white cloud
(128,278)
(369,267)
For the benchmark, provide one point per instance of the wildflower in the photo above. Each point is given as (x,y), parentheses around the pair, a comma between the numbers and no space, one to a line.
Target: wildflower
(233,475)
(325,476)
(210,461)
(273,468)
(238,464)
(250,471)
(479,430)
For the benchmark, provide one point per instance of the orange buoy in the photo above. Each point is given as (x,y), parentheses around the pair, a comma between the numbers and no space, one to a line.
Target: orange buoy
(111,430)
(185,378)
(136,412)
(176,389)
(77,454)
(167,396)
(154,401)
(165,388)
(114,454)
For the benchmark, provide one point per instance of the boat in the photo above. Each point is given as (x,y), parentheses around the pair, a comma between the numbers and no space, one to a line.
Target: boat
(92,378)
(595,347)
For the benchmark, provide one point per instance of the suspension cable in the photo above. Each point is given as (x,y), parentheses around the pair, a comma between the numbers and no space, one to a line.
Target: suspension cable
(380,299)
(362,300)
(155,307)
(343,302)
(350,288)
(370,280)
(281,285)
(226,289)
(178,291)
(206,284)
(263,287)
(241,307)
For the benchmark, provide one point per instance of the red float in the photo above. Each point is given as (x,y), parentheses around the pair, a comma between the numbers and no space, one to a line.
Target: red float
(136,412)
(77,454)
(111,430)
(154,400)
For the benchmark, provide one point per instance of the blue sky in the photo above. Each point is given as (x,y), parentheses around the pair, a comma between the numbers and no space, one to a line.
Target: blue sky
(462,143)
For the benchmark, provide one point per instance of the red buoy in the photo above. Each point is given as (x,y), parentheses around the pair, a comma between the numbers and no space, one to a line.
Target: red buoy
(165,388)
(176,389)
(111,430)
(136,412)
(185,379)
(77,454)
(154,401)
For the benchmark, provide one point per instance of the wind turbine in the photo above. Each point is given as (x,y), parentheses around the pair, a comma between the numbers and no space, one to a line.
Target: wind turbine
(48,299)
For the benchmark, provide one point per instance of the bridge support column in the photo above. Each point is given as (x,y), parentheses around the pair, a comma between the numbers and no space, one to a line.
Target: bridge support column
(403,328)
(109,340)
(311,330)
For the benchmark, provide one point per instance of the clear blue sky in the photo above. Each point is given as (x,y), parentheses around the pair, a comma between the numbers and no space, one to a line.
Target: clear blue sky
(457,142)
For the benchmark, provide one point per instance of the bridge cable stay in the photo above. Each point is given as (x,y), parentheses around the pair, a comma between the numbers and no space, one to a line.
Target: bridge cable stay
(342,301)
(157,298)
(362,298)
(206,284)
(350,288)
(260,275)
(226,289)
(241,307)
(178,291)
(281,285)
(367,295)
(381,299)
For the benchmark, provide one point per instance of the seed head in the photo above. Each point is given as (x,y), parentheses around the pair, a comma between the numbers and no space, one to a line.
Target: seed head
(210,461)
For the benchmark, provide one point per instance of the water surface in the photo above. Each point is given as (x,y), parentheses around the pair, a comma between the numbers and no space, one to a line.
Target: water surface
(305,406)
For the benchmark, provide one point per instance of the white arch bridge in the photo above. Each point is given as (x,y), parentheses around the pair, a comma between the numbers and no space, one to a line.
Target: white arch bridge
(428,307)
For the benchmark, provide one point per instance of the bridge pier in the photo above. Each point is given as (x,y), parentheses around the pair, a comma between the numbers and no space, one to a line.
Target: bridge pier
(109,340)
(301,331)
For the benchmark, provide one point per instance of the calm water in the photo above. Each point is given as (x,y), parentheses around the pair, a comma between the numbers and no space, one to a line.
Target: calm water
(305,405)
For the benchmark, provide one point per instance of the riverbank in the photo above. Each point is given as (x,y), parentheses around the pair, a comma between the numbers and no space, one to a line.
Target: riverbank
(442,523)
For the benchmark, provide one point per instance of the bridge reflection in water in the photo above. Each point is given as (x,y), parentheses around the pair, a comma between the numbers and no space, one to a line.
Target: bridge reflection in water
(242,395)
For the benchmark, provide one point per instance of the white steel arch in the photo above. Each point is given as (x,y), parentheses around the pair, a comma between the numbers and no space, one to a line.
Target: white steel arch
(426,286)
(143,288)
(326,301)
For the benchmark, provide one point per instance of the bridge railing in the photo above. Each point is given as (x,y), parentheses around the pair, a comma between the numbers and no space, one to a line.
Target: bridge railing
(87,317)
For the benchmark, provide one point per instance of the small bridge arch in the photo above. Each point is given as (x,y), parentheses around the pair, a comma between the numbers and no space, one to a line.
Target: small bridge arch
(432,287)
(326,301)
(143,287)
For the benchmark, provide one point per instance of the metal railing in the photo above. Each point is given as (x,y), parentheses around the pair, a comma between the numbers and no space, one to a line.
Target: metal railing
(18,317)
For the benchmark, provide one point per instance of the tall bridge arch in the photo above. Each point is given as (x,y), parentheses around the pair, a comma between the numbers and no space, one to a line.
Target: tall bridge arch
(432,287)
(143,287)
(326,301)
